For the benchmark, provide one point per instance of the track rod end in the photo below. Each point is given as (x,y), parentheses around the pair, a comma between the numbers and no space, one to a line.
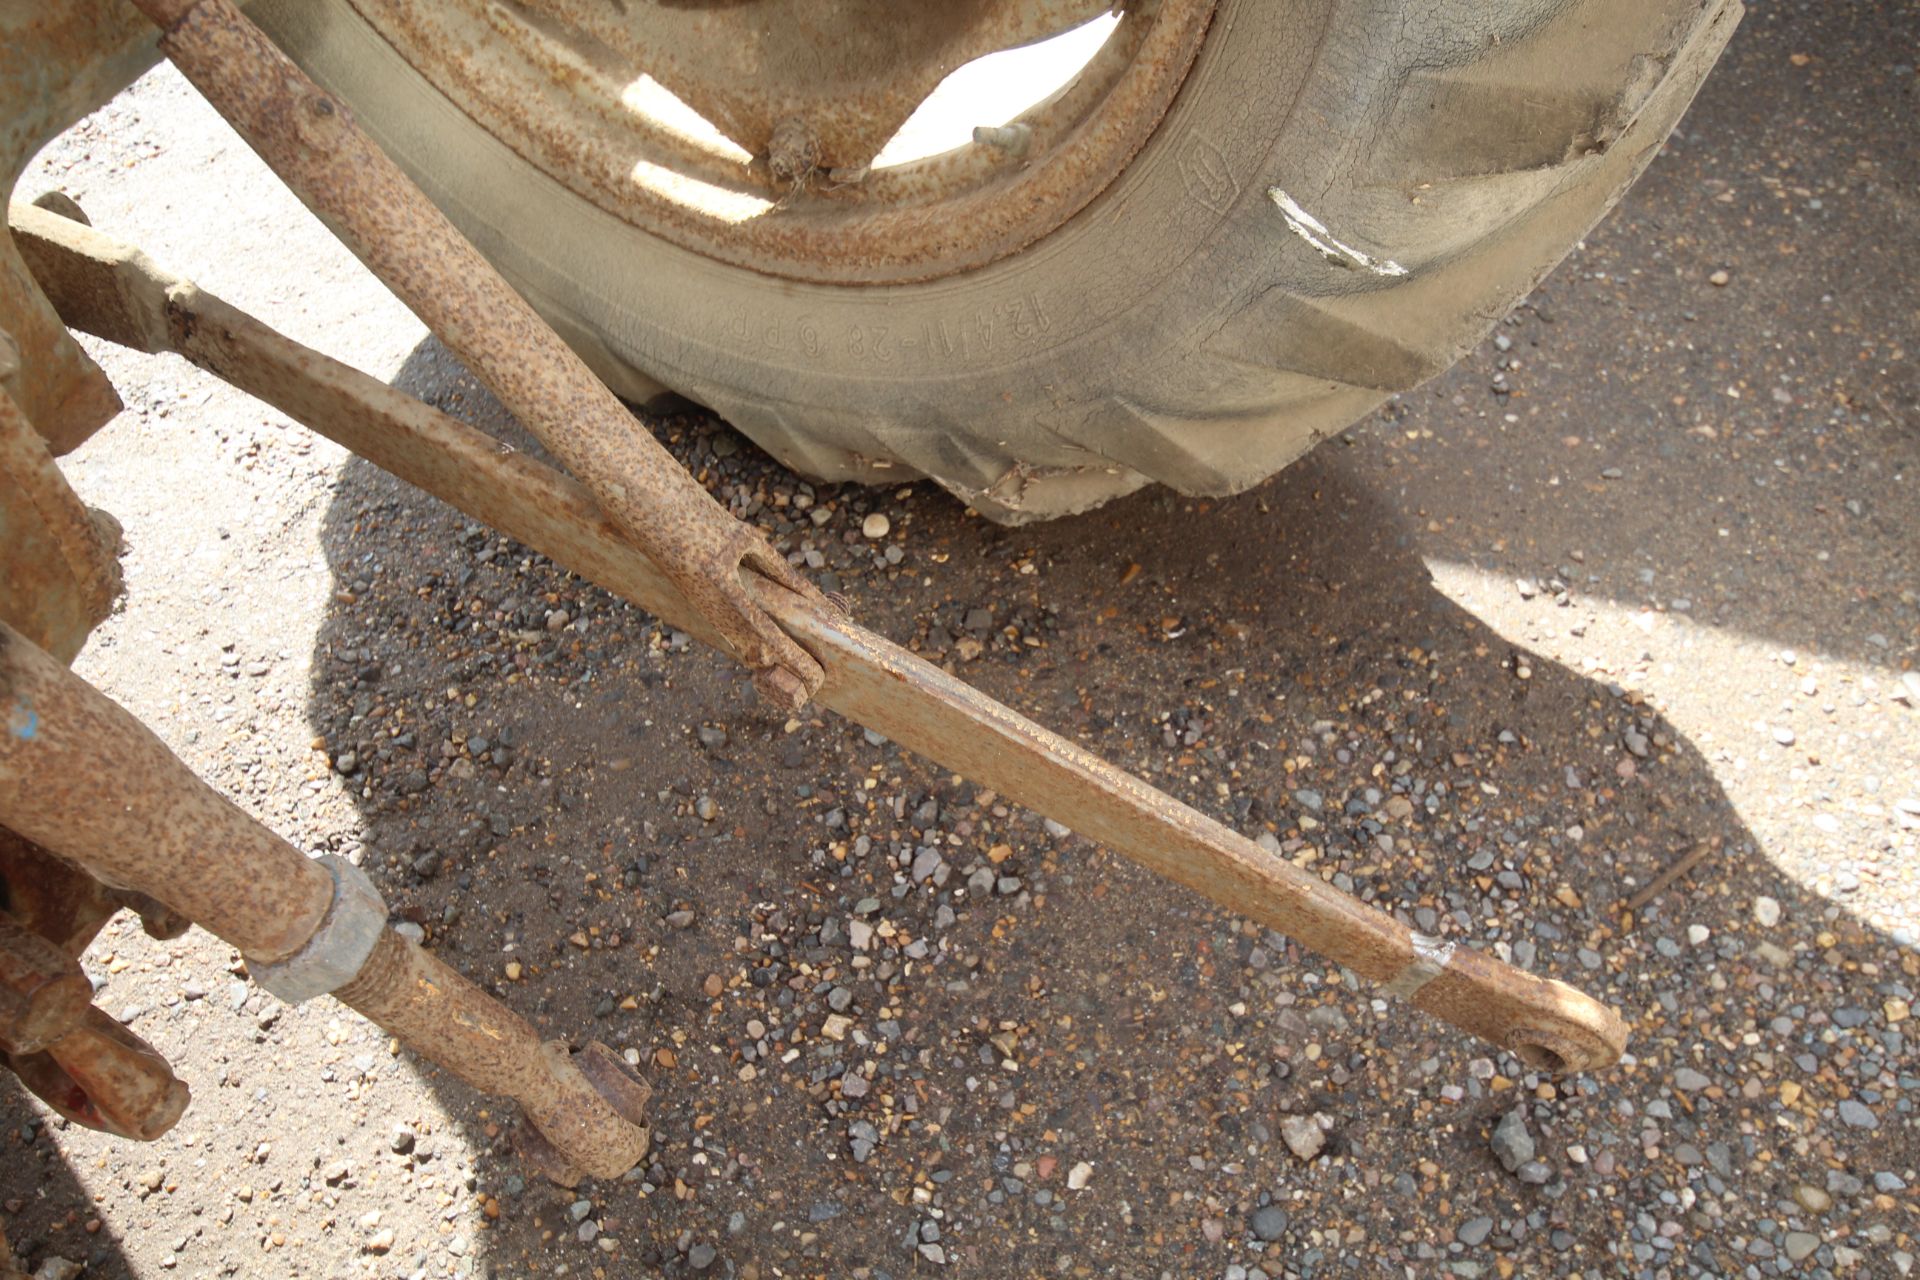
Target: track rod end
(602,1150)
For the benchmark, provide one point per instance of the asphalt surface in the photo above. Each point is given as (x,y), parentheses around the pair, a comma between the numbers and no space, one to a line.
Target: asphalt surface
(1637,578)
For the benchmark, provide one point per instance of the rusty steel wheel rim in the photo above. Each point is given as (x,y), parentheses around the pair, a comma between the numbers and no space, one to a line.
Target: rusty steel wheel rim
(745,130)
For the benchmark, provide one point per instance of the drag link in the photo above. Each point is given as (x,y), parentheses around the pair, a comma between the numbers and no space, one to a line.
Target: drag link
(1548,1024)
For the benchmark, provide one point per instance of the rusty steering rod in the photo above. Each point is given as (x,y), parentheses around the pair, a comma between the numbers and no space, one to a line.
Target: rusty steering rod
(116,293)
(310,140)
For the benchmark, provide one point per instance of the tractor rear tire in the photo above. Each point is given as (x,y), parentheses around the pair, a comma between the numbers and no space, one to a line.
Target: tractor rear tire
(1343,198)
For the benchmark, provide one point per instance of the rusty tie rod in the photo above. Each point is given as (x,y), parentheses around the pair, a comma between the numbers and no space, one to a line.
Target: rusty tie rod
(116,293)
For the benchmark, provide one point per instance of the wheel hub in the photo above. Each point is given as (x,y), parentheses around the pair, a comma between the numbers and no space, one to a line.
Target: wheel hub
(749,130)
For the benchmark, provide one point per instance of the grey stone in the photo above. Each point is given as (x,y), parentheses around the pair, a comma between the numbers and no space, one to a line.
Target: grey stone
(1327,1017)
(1303,1135)
(1512,1144)
(1813,1199)
(1269,1223)
(1690,1080)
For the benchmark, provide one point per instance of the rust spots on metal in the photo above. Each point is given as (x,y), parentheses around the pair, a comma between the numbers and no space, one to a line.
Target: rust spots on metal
(552,79)
(921,707)
(66,395)
(880,685)
(81,776)
(62,903)
(85,787)
(105,1077)
(43,993)
(313,144)
(57,62)
(854,70)
(166,833)
(793,153)
(80,1062)
(58,559)
(599,1130)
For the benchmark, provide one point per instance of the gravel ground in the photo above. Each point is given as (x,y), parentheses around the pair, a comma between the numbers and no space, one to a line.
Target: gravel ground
(1637,579)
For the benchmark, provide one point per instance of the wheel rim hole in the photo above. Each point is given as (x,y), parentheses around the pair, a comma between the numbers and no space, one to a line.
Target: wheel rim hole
(994,90)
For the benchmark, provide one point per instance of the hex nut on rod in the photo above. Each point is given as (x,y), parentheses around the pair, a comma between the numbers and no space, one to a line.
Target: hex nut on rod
(338,948)
(82,777)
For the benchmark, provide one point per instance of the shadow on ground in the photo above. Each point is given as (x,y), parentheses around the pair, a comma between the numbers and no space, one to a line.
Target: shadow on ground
(539,792)
(534,789)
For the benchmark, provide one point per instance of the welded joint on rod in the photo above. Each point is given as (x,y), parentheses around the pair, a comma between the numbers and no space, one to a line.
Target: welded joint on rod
(338,949)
